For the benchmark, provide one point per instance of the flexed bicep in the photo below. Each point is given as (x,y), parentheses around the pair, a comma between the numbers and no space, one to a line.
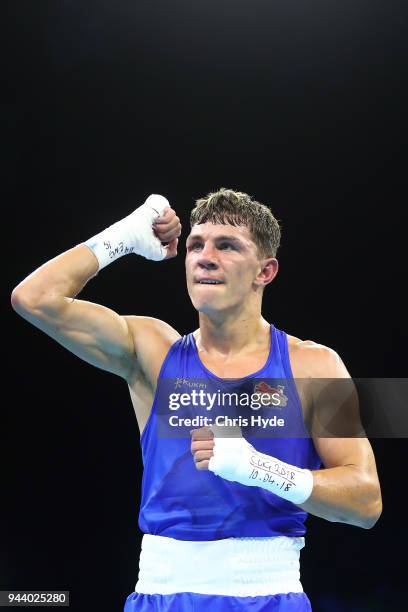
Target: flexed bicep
(93,332)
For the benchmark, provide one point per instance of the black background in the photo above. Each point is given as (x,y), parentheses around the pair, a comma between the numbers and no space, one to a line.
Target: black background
(302,105)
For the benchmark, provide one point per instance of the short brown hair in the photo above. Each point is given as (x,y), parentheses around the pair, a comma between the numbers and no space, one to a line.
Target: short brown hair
(237,208)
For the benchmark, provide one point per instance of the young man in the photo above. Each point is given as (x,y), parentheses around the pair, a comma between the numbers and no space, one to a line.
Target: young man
(224,519)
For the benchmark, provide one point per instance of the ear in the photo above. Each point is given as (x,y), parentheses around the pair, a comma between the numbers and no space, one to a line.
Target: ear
(269,269)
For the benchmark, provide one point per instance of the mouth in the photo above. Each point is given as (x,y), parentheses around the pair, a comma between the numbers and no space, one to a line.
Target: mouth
(208,281)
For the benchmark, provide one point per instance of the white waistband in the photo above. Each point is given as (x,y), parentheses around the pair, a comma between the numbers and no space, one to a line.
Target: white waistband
(241,567)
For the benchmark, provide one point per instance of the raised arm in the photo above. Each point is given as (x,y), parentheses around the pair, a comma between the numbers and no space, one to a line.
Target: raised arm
(46,298)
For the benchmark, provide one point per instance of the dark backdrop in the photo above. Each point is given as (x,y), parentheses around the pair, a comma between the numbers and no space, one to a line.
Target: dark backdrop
(301,105)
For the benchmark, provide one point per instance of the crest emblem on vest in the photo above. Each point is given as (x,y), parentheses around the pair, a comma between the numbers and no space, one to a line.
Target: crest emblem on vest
(277,399)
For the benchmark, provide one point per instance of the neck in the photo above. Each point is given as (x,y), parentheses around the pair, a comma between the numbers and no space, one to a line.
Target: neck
(233,334)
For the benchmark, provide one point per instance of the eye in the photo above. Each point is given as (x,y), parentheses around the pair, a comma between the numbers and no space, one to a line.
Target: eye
(194,246)
(224,246)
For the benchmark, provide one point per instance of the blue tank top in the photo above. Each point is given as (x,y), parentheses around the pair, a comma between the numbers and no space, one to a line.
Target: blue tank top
(181,502)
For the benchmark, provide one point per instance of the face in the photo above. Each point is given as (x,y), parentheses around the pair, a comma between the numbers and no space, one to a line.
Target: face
(222,266)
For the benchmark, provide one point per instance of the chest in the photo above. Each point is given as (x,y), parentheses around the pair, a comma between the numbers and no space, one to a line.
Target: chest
(239,368)
(236,367)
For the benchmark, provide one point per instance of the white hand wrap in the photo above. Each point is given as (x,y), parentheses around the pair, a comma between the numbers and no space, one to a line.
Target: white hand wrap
(133,234)
(237,460)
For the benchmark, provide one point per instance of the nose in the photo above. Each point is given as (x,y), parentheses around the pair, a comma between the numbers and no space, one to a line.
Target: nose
(207,259)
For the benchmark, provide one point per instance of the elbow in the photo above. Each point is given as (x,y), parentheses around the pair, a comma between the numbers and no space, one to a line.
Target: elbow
(25,304)
(37,310)
(372,515)
(372,518)
(19,301)
(367,513)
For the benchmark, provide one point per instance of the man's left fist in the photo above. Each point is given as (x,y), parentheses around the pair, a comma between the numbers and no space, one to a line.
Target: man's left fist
(202,445)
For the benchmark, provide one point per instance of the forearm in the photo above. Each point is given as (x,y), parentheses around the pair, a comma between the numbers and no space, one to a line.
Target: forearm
(344,494)
(63,276)
(348,493)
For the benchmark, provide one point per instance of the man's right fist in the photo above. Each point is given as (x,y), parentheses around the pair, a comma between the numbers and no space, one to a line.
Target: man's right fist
(167,228)
(142,233)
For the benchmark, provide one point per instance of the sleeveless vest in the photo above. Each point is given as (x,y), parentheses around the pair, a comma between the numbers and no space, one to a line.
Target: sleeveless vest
(181,502)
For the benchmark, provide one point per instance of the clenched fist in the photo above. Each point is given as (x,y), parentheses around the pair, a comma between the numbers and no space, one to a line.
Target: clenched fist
(167,228)
(202,445)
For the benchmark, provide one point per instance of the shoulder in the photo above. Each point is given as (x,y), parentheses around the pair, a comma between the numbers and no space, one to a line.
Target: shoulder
(311,359)
(140,327)
(152,339)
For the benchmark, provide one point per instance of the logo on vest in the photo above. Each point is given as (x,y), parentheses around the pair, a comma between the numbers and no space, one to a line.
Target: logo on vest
(189,383)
